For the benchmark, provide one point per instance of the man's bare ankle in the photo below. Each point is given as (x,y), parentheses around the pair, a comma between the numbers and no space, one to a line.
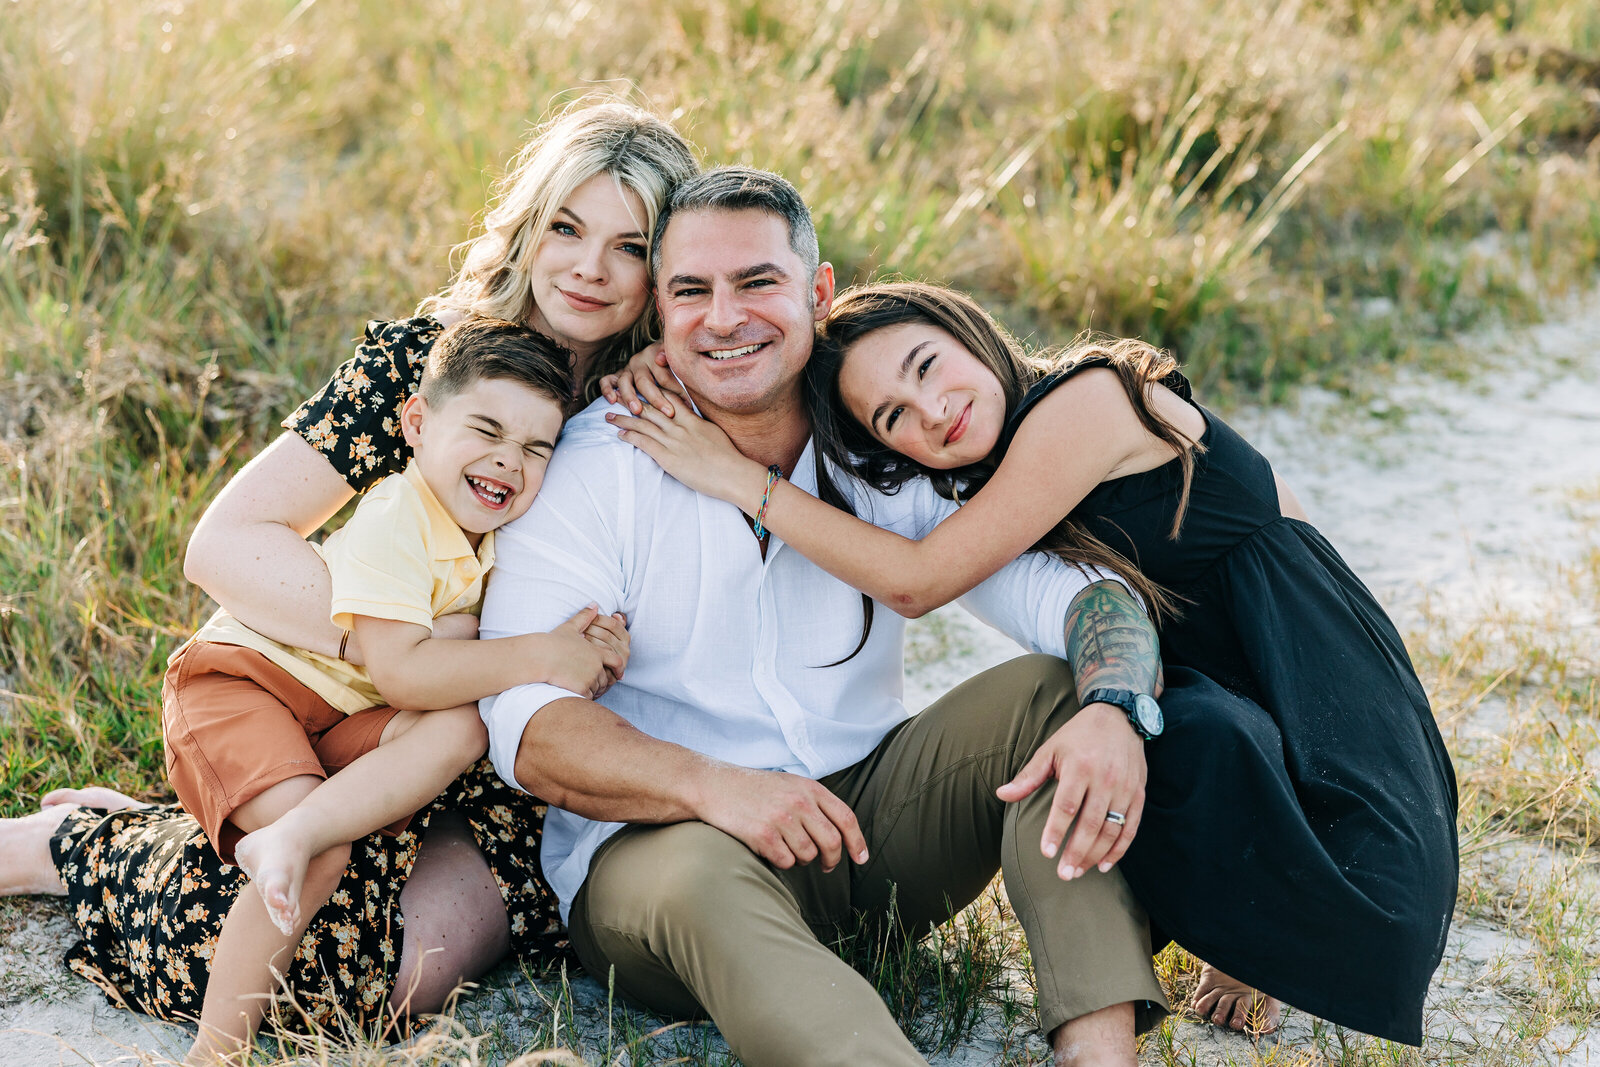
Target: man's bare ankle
(1101,1038)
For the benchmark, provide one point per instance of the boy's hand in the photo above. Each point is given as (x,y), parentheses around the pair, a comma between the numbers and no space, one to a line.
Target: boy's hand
(610,632)
(580,662)
(461,626)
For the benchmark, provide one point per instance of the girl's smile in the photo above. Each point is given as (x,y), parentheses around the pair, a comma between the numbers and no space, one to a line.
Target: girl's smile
(920,392)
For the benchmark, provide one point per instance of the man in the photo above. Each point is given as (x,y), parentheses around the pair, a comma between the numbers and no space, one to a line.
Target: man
(774,785)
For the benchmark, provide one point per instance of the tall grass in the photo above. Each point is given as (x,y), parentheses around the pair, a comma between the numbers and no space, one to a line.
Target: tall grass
(200,204)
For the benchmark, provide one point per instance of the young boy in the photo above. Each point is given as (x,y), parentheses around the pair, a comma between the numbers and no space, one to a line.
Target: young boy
(253,727)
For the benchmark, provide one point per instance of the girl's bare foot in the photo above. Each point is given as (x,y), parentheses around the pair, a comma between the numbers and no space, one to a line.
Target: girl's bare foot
(1228,1002)
(26,866)
(94,796)
(275,858)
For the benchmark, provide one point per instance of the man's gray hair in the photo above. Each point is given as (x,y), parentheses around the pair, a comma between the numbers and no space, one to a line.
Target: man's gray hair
(741,189)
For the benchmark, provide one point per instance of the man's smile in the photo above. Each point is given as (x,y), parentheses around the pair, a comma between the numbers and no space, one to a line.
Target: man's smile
(733,353)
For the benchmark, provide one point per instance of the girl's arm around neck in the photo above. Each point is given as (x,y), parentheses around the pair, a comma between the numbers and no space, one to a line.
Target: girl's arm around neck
(1072,440)
(1082,433)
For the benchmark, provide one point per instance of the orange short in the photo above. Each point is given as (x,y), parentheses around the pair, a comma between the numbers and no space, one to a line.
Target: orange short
(235,724)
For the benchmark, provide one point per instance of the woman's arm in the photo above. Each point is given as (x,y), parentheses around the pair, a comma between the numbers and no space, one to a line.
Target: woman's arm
(1075,438)
(249,552)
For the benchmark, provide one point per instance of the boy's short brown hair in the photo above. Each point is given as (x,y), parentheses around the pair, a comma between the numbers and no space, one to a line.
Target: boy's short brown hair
(475,349)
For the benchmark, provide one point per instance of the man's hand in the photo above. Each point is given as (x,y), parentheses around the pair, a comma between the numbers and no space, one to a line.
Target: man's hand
(785,819)
(1097,761)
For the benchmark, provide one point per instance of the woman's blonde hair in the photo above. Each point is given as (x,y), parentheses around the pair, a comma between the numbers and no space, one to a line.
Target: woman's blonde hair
(589,136)
(867,309)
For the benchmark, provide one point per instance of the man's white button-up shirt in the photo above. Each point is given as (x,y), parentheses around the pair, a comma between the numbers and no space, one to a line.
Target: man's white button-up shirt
(733,655)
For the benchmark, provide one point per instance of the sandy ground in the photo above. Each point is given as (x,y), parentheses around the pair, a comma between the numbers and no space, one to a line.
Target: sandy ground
(1449,497)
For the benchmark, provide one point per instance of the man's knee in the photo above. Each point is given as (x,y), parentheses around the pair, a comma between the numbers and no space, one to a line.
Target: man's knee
(1021,700)
(682,873)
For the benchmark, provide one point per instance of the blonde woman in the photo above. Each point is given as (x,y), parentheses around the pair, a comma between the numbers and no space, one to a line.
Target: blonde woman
(564,249)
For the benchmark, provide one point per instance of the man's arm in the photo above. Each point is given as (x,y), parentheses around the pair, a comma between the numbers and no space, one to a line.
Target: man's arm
(566,551)
(581,756)
(1097,759)
(1111,642)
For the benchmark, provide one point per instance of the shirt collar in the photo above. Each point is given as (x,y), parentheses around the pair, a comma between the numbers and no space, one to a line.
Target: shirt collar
(447,539)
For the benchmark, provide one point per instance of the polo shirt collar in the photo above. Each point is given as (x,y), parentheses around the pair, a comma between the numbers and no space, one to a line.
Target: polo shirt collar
(447,539)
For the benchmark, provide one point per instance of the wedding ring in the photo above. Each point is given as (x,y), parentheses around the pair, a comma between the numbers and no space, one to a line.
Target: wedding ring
(1116,818)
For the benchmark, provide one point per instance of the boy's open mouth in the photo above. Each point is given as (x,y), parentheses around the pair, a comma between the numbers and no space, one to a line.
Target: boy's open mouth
(490,494)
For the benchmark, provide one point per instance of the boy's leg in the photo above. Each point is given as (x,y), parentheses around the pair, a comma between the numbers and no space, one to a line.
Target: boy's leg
(250,948)
(418,756)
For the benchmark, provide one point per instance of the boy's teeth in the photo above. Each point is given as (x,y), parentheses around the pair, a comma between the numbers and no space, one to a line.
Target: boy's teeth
(731,353)
(491,490)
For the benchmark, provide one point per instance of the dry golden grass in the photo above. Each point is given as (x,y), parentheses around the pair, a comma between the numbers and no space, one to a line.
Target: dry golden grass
(201,203)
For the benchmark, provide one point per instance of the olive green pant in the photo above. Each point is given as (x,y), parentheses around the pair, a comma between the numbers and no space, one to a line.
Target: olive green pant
(695,924)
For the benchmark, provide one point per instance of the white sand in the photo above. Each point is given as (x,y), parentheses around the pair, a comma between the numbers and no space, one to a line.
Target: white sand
(1445,496)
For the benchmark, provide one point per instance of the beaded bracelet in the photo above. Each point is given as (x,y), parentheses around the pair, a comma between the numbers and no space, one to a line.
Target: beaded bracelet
(774,472)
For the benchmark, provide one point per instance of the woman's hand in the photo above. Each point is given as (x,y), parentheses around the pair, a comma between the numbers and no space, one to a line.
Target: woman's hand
(1098,763)
(697,453)
(645,380)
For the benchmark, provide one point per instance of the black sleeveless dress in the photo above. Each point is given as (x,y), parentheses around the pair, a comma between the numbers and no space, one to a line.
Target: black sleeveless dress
(1299,823)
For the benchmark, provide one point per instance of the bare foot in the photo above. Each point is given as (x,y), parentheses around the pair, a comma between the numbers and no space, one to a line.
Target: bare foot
(94,796)
(1228,1002)
(275,858)
(26,866)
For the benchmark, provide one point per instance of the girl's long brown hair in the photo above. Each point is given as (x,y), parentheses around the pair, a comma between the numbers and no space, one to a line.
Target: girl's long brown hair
(867,309)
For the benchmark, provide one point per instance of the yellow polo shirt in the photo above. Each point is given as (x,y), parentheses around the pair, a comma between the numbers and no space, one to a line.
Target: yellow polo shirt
(401,556)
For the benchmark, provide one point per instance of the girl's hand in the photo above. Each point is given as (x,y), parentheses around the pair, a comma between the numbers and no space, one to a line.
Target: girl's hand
(645,380)
(697,453)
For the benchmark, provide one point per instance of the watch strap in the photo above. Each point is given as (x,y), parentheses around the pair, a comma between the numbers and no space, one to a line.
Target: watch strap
(1124,699)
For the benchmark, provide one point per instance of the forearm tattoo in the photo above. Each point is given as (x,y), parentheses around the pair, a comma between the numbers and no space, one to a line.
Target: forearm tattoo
(1111,643)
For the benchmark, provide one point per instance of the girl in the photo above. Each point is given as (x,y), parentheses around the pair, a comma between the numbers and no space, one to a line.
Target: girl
(564,249)
(1298,830)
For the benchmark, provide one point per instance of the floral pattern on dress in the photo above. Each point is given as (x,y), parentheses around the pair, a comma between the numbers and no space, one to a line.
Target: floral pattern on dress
(354,419)
(149,895)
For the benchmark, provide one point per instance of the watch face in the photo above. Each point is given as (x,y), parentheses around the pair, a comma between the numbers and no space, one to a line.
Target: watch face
(1148,712)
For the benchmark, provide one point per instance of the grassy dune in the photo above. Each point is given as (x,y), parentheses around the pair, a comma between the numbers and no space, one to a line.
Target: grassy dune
(201,204)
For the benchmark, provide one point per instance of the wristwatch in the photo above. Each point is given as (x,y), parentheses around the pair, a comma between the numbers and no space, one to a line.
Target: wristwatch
(1143,711)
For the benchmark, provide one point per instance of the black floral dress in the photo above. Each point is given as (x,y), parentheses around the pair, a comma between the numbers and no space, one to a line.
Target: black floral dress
(149,893)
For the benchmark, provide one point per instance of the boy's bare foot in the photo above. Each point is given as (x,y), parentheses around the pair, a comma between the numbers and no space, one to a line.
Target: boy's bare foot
(93,796)
(1226,1001)
(275,858)
(26,866)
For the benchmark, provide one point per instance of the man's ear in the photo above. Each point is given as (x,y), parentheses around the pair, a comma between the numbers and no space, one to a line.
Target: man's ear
(822,291)
(411,416)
